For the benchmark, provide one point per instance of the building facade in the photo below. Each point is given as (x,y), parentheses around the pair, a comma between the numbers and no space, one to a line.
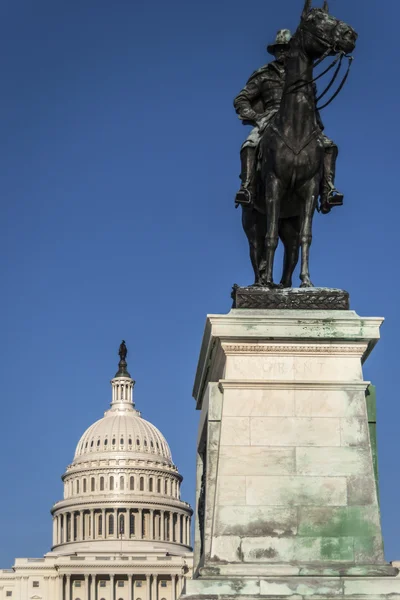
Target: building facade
(121,531)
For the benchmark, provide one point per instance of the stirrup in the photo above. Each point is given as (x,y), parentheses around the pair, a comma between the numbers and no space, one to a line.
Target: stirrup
(334,198)
(243,198)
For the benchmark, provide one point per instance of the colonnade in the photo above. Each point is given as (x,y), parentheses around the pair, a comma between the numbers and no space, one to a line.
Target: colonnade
(121,523)
(92,586)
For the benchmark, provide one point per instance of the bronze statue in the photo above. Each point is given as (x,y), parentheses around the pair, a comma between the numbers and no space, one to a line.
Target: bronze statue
(123,351)
(122,365)
(287,161)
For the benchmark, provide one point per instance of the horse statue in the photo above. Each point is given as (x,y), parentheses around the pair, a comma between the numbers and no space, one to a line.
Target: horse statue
(291,153)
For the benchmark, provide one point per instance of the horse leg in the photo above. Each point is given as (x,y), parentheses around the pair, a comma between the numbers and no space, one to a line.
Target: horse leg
(273,196)
(309,201)
(289,233)
(252,226)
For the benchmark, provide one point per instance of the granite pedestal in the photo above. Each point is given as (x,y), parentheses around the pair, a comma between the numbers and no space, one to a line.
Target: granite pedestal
(287,503)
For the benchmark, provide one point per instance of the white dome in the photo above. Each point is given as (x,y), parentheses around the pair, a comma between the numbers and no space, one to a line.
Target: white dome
(123,432)
(122,490)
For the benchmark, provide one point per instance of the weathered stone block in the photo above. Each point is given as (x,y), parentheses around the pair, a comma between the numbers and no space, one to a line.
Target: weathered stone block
(267,521)
(296,491)
(226,548)
(300,587)
(376,588)
(352,521)
(258,403)
(231,490)
(250,460)
(329,403)
(333,461)
(299,549)
(227,587)
(369,549)
(361,490)
(235,431)
(354,432)
(294,431)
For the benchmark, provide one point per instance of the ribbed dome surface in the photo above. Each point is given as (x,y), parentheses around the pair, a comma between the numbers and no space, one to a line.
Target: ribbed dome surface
(123,432)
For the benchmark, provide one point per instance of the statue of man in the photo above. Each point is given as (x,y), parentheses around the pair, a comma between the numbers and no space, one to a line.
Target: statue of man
(256,105)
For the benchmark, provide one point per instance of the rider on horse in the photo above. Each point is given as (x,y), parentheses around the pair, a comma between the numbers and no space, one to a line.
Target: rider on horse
(256,105)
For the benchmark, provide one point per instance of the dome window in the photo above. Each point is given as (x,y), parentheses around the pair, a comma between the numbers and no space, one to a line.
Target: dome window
(111,483)
(98,443)
(111,525)
(113,442)
(106,442)
(91,444)
(150,484)
(145,443)
(121,483)
(121,441)
(142,484)
(138,442)
(86,445)
(132,483)
(101,484)
(151,444)
(130,442)
(158,447)
(100,525)
(132,524)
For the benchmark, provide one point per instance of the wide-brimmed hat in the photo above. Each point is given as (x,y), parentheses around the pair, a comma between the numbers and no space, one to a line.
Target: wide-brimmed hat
(283,38)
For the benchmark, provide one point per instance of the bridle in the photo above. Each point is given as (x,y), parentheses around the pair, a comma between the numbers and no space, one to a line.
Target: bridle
(340,55)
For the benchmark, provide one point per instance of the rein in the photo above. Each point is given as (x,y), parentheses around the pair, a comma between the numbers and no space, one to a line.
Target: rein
(339,57)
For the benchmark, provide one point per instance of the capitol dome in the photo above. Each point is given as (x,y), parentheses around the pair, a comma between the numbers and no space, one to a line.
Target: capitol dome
(122,486)
(123,431)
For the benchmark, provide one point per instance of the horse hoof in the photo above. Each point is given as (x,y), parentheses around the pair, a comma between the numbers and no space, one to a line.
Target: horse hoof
(307,284)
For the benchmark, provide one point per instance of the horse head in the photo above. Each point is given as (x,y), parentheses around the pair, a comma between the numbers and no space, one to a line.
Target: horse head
(323,34)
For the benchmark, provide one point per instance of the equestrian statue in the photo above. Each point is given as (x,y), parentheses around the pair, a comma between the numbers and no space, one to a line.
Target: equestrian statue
(287,163)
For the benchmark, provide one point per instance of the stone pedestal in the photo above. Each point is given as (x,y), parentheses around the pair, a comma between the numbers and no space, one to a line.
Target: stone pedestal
(286,492)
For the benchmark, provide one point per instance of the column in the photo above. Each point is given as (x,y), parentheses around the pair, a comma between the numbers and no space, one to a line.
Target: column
(162,525)
(93,587)
(130,587)
(68,588)
(92,525)
(173,587)
(154,595)
(151,524)
(179,529)
(188,531)
(171,526)
(72,526)
(140,523)
(59,529)
(61,587)
(103,526)
(148,583)
(112,580)
(82,518)
(87,587)
(46,587)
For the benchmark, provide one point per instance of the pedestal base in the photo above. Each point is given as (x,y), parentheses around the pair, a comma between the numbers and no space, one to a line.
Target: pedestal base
(293,587)
(287,499)
(290,299)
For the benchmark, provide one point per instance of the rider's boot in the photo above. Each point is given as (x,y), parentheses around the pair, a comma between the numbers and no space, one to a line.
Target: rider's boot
(329,194)
(245,195)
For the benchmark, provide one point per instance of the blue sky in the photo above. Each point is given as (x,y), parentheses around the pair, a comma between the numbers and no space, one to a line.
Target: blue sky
(119,163)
